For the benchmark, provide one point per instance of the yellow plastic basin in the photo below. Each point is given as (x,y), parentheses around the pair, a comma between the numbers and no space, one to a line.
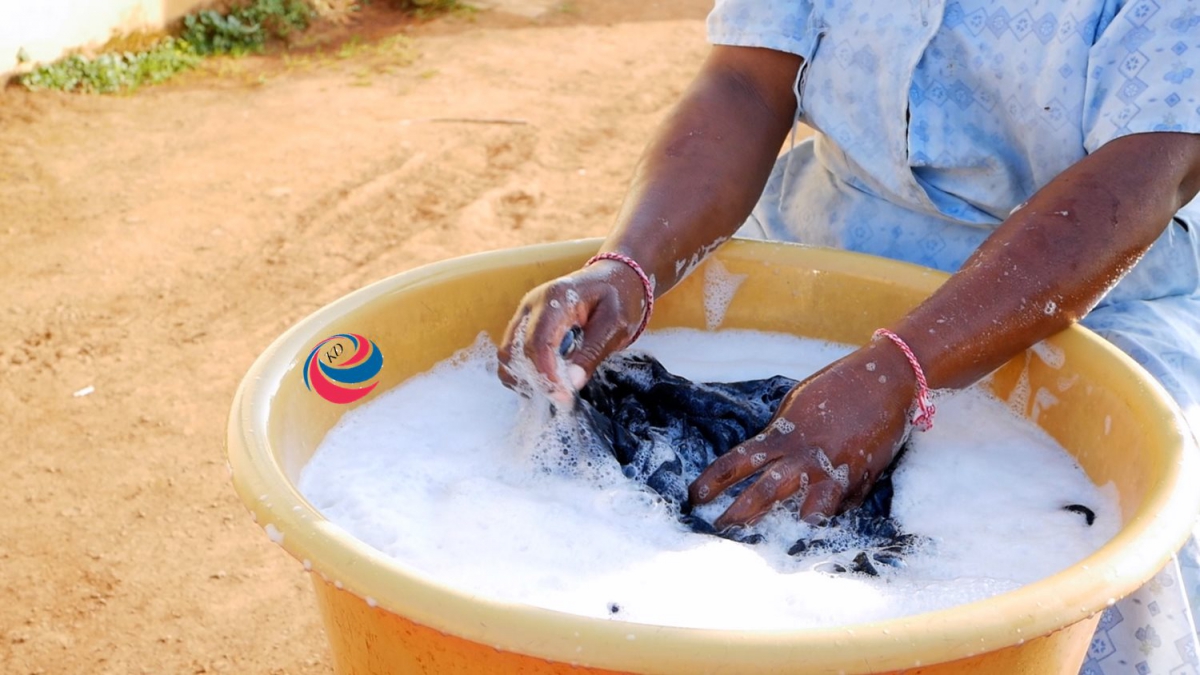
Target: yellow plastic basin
(383,618)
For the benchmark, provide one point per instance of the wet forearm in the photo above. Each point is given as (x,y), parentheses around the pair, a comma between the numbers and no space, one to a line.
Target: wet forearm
(707,165)
(1054,258)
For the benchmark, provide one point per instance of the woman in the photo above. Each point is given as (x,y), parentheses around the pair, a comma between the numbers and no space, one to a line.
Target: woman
(1045,152)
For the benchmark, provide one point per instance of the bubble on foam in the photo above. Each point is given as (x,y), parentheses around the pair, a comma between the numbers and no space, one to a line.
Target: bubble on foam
(555,441)
(648,458)
(1042,399)
(529,381)
(681,269)
(840,475)
(1052,355)
(1018,398)
(1006,453)
(684,267)
(548,436)
(720,285)
(783,426)
(1065,383)
(481,350)
(433,473)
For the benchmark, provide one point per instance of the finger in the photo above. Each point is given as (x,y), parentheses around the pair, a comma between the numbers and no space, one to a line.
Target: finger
(506,376)
(732,468)
(602,336)
(860,487)
(548,314)
(779,480)
(823,501)
(508,379)
(513,334)
(550,326)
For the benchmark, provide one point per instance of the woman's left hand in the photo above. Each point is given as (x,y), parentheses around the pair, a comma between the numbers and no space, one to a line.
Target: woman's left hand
(830,439)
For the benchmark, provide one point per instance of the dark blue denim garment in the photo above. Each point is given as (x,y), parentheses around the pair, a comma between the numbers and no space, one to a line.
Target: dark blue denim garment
(664,430)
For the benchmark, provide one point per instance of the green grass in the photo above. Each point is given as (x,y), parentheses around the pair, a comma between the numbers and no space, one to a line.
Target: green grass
(244,29)
(114,71)
(247,28)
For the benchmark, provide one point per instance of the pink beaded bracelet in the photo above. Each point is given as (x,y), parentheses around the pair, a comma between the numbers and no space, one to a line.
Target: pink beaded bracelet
(924,419)
(646,286)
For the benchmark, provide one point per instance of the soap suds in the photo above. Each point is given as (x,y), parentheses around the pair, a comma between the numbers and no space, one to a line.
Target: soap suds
(1050,354)
(450,477)
(720,285)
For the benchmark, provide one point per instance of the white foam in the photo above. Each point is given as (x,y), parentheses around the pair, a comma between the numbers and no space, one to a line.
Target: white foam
(719,287)
(1051,355)
(1018,398)
(439,474)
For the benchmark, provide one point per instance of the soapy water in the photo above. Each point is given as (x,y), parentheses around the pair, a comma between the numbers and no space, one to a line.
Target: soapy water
(466,483)
(720,285)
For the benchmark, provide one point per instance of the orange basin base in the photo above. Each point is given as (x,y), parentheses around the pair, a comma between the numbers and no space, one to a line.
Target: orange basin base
(372,641)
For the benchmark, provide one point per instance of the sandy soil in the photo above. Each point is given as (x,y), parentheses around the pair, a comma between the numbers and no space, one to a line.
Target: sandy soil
(152,245)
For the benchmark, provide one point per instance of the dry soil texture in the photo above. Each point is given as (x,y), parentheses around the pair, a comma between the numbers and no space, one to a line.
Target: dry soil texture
(152,245)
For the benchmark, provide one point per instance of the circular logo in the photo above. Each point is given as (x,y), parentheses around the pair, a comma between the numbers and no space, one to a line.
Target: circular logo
(341,368)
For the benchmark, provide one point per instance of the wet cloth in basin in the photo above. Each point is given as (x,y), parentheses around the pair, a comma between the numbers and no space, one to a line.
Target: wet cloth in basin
(664,430)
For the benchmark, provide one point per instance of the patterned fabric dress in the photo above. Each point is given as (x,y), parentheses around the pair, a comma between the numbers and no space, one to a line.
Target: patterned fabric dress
(937,119)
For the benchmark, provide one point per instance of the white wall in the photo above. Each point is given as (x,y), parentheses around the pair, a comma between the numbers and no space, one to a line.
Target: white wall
(46,29)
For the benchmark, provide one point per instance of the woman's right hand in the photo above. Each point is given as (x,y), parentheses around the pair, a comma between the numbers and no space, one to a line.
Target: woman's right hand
(605,299)
(700,176)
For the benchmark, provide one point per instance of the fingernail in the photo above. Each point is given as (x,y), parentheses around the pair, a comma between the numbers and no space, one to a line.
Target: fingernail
(577,376)
(570,341)
(817,519)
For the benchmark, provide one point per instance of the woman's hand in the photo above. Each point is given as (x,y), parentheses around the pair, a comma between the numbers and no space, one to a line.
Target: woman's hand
(605,299)
(830,439)
(694,186)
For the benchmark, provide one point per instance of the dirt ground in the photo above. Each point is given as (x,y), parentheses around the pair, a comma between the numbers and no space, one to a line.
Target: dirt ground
(152,245)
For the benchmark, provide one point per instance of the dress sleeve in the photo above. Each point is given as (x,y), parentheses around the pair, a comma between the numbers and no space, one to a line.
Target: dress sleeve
(782,25)
(1144,72)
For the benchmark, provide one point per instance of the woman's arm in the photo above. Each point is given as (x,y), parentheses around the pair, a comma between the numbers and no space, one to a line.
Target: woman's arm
(1044,268)
(706,168)
(695,184)
(1054,258)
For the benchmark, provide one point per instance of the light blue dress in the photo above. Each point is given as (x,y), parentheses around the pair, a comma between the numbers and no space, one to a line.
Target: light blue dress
(937,119)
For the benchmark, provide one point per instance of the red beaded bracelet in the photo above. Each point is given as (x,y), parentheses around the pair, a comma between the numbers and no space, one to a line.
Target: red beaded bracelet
(924,419)
(646,286)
